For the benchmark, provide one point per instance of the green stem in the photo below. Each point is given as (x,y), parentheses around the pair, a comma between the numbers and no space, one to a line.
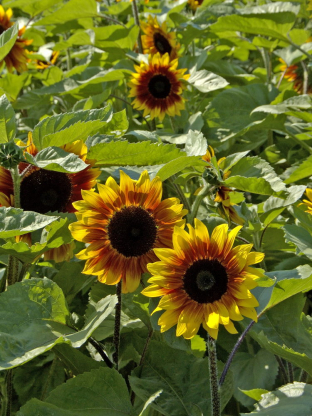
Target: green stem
(117,324)
(213,374)
(300,142)
(173,125)
(290,372)
(137,22)
(6,394)
(267,64)
(282,369)
(305,78)
(68,60)
(299,48)
(16,179)
(12,270)
(48,379)
(199,197)
(153,125)
(180,193)
(110,19)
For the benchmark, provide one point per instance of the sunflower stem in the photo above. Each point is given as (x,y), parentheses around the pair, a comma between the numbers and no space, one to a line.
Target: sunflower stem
(180,193)
(6,394)
(16,179)
(48,379)
(173,125)
(300,142)
(137,22)
(100,350)
(303,376)
(153,125)
(282,369)
(117,324)
(233,352)
(290,372)
(305,78)
(213,373)
(199,197)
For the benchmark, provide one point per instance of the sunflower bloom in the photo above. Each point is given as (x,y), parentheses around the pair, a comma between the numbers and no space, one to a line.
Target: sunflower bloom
(308,202)
(156,38)
(122,225)
(203,280)
(226,207)
(294,73)
(17,57)
(157,87)
(46,64)
(45,191)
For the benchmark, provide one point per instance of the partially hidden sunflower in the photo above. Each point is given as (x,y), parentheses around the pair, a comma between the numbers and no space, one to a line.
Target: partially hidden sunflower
(203,280)
(156,38)
(44,191)
(223,194)
(122,225)
(45,64)
(294,73)
(157,87)
(194,4)
(308,202)
(17,57)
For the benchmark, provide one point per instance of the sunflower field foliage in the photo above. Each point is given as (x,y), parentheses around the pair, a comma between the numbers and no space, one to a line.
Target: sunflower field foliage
(155,208)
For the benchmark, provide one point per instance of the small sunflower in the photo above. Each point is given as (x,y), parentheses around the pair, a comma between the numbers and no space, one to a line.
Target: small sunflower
(46,64)
(157,87)
(308,202)
(226,207)
(158,39)
(294,73)
(44,191)
(17,57)
(122,224)
(204,280)
(194,4)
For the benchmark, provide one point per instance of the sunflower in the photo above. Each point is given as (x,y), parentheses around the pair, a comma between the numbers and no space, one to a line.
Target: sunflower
(46,64)
(204,280)
(194,4)
(223,195)
(17,57)
(43,190)
(294,73)
(158,39)
(308,202)
(157,87)
(122,224)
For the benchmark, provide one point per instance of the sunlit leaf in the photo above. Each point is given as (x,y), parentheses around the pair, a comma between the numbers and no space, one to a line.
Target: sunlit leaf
(7,120)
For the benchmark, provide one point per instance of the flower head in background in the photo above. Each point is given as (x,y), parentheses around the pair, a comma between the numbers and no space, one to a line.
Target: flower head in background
(46,64)
(17,57)
(223,194)
(294,73)
(203,280)
(158,86)
(194,4)
(156,38)
(44,191)
(308,202)
(122,225)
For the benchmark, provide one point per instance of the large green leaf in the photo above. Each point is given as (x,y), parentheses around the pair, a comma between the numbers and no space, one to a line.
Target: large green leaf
(252,174)
(68,127)
(291,400)
(72,10)
(101,392)
(275,25)
(177,165)
(7,40)
(300,237)
(302,171)
(122,153)
(183,379)
(32,7)
(206,81)
(15,221)
(7,120)
(56,159)
(46,321)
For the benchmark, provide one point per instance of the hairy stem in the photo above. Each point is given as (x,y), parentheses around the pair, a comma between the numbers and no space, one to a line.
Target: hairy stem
(213,373)
(137,22)
(290,372)
(100,350)
(117,324)
(48,379)
(282,369)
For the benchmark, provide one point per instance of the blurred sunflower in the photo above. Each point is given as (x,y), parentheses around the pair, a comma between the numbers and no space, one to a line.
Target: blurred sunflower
(122,224)
(46,64)
(17,57)
(204,280)
(158,39)
(44,191)
(308,202)
(226,207)
(194,4)
(294,73)
(157,87)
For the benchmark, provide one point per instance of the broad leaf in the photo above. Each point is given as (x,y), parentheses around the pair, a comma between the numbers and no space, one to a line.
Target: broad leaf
(177,165)
(300,237)
(206,81)
(7,120)
(72,10)
(32,7)
(7,40)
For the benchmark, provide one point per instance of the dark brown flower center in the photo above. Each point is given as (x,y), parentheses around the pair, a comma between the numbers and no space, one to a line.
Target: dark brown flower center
(132,231)
(205,281)
(43,191)
(161,44)
(159,86)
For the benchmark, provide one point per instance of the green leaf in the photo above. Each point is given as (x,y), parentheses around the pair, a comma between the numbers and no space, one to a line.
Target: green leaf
(296,103)
(182,378)
(122,153)
(7,120)
(252,174)
(255,393)
(275,25)
(300,237)
(72,10)
(196,143)
(15,221)
(253,371)
(68,127)
(45,324)
(32,7)
(97,393)
(303,171)
(291,400)
(206,81)
(177,165)
(55,235)
(7,40)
